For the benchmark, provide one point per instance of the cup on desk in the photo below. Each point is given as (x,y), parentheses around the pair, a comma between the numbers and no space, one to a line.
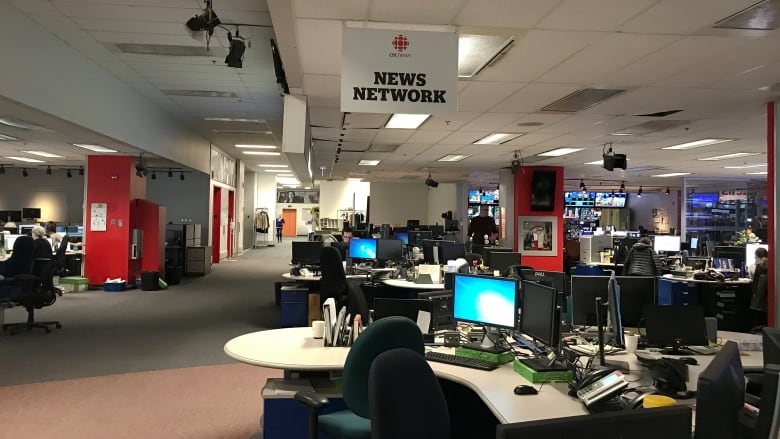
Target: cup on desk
(632,341)
(318,328)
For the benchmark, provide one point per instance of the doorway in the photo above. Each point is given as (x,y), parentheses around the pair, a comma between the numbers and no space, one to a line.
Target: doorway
(216,235)
(290,217)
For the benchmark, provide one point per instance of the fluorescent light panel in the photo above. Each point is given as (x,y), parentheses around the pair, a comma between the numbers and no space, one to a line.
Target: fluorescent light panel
(354,179)
(277,170)
(25,159)
(23,124)
(233,119)
(406,121)
(757,173)
(497,138)
(672,174)
(272,166)
(256,146)
(698,143)
(369,162)
(729,156)
(94,147)
(43,154)
(559,152)
(453,158)
(745,166)
(261,153)
(4,137)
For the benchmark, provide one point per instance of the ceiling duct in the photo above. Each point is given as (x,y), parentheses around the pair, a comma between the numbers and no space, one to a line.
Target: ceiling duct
(163,49)
(650,127)
(582,99)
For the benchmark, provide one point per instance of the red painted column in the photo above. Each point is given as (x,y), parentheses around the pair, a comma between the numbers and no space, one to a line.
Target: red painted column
(231,222)
(523,209)
(216,231)
(770,196)
(110,180)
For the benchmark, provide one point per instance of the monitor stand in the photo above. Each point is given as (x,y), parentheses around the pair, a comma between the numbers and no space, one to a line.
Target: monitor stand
(622,366)
(676,349)
(488,344)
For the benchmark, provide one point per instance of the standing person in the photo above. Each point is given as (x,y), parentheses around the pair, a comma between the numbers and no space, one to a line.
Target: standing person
(759,286)
(641,260)
(279,224)
(483,225)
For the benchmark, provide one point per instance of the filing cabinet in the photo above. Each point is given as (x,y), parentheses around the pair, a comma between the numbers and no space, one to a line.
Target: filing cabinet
(198,260)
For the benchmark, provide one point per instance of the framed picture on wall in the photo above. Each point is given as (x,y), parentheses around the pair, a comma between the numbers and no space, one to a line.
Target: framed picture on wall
(537,235)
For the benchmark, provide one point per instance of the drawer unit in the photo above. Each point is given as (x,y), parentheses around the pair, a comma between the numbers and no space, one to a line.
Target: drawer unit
(198,260)
(675,292)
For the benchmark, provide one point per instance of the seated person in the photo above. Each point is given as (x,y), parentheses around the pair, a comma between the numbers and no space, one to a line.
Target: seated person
(51,232)
(343,245)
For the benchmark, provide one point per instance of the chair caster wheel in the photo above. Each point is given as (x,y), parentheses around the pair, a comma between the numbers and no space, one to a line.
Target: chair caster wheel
(47,330)
(58,326)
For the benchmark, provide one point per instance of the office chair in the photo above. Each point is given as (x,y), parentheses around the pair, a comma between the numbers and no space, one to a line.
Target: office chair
(356,301)
(405,398)
(471,257)
(354,423)
(21,260)
(334,281)
(33,295)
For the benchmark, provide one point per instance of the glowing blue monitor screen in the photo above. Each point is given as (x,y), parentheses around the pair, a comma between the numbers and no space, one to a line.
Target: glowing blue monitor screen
(402,236)
(362,248)
(485,300)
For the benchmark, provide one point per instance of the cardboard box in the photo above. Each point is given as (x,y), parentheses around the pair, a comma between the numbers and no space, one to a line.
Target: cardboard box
(562,376)
(74,284)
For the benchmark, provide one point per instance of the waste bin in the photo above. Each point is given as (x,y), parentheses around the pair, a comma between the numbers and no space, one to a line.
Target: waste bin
(150,280)
(173,275)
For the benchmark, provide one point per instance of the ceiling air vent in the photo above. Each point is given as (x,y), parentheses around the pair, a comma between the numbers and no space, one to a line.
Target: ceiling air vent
(650,127)
(201,93)
(763,15)
(582,99)
(163,49)
(659,114)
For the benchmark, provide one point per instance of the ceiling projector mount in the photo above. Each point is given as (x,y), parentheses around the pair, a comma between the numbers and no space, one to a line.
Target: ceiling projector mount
(611,159)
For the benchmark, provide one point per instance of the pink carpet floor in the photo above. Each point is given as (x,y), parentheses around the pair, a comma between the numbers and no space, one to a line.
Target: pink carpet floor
(210,402)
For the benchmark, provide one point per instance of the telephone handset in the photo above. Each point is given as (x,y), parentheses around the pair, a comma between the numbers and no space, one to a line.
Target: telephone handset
(600,384)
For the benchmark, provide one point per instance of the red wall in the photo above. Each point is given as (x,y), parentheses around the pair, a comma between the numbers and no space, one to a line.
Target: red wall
(150,218)
(110,180)
(770,197)
(523,208)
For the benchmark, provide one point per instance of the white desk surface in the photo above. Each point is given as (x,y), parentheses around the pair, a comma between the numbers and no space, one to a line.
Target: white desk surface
(403,283)
(318,278)
(740,281)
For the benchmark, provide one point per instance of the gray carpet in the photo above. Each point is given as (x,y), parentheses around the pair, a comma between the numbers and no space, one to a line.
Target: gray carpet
(186,325)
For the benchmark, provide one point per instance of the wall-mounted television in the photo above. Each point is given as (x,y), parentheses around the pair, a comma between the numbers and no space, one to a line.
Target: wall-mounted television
(703,200)
(579,199)
(610,199)
(11,215)
(543,191)
(31,212)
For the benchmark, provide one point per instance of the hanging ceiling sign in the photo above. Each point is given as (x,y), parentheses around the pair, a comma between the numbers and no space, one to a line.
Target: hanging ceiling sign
(392,71)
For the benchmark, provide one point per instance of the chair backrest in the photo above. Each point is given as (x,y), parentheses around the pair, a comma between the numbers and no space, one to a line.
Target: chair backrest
(388,333)
(406,399)
(356,301)
(59,257)
(334,279)
(21,260)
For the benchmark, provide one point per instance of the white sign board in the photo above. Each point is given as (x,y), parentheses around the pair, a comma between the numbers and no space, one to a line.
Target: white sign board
(97,217)
(392,71)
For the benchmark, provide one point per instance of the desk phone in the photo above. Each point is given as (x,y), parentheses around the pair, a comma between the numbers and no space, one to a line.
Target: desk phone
(602,388)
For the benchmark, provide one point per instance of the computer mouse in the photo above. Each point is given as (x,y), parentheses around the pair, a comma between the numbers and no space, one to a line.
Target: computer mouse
(689,360)
(525,390)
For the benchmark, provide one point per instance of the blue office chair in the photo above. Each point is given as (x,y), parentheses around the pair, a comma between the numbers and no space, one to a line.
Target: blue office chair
(354,422)
(406,400)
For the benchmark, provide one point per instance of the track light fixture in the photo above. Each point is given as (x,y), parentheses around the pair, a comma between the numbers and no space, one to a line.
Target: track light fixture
(154,175)
(181,177)
(235,56)
(639,192)
(81,170)
(170,173)
(48,170)
(69,174)
(668,191)
(583,188)
(430,182)
(24,172)
(140,166)
(206,21)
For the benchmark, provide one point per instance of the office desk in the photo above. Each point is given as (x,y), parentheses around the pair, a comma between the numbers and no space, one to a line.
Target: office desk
(318,278)
(403,283)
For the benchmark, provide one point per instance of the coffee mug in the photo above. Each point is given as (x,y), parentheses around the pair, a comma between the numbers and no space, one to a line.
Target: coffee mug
(632,341)
(318,328)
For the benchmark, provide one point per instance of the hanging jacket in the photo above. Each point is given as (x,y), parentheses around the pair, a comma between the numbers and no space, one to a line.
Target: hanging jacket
(261,221)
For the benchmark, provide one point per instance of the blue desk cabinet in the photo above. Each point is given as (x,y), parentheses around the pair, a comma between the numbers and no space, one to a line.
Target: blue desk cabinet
(286,418)
(677,292)
(293,306)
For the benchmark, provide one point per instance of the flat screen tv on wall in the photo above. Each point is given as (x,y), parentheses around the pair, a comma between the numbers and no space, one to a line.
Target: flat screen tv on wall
(543,191)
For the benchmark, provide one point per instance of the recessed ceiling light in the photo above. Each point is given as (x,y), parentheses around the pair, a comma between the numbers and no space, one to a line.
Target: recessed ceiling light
(756,173)
(745,166)
(698,143)
(4,137)
(407,121)
(43,154)
(642,168)
(355,179)
(256,146)
(23,124)
(272,166)
(475,52)
(25,159)
(497,138)
(729,156)
(672,174)
(94,147)
(559,152)
(277,170)
(261,153)
(368,162)
(285,175)
(233,119)
(452,158)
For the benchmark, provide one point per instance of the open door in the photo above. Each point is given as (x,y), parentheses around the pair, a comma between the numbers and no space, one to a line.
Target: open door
(290,217)
(216,235)
(231,223)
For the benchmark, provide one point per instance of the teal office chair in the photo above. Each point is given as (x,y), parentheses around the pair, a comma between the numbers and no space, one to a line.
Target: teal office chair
(354,423)
(406,400)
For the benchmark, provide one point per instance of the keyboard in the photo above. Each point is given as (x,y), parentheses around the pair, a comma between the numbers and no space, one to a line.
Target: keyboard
(592,349)
(473,363)
(703,350)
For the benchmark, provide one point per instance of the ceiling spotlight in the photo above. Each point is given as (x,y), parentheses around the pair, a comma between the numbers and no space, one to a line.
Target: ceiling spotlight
(170,173)
(639,192)
(582,185)
(154,175)
(48,170)
(622,187)
(24,172)
(613,193)
(69,174)
(140,166)
(668,191)
(430,182)
(235,56)
(81,170)
(205,21)
(181,177)
(2,169)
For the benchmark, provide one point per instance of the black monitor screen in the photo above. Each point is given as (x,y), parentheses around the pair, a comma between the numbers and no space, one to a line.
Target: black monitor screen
(389,249)
(306,252)
(584,290)
(539,313)
(412,224)
(363,248)
(402,236)
(720,395)
(417,236)
(501,261)
(429,251)
(11,215)
(386,307)
(436,230)
(771,345)
(543,191)
(486,253)
(636,292)
(613,310)
(675,324)
(449,251)
(31,212)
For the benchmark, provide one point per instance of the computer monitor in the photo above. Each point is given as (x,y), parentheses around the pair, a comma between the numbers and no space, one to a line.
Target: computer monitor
(387,307)
(9,240)
(666,243)
(693,245)
(615,322)
(430,252)
(450,250)
(768,422)
(26,229)
(306,252)
(584,290)
(412,224)
(750,253)
(436,230)
(389,249)
(11,215)
(417,236)
(402,236)
(501,261)
(486,253)
(539,314)
(31,213)
(362,248)
(720,395)
(675,326)
(771,345)
(636,292)
(554,279)
(489,301)
(667,422)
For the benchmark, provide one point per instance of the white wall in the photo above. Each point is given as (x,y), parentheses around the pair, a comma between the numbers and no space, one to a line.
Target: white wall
(440,200)
(247,216)
(394,203)
(336,195)
(17,192)
(641,209)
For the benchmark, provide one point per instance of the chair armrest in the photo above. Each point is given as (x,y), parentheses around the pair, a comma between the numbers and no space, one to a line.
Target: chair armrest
(311,399)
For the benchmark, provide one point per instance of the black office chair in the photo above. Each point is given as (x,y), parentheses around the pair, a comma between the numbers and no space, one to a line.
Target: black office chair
(405,398)
(471,257)
(356,302)
(34,295)
(21,260)
(334,280)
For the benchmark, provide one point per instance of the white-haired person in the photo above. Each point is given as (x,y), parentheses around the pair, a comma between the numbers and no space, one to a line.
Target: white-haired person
(41,248)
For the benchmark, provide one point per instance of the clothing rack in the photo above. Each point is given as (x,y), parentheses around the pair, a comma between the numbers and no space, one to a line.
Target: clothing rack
(262,225)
